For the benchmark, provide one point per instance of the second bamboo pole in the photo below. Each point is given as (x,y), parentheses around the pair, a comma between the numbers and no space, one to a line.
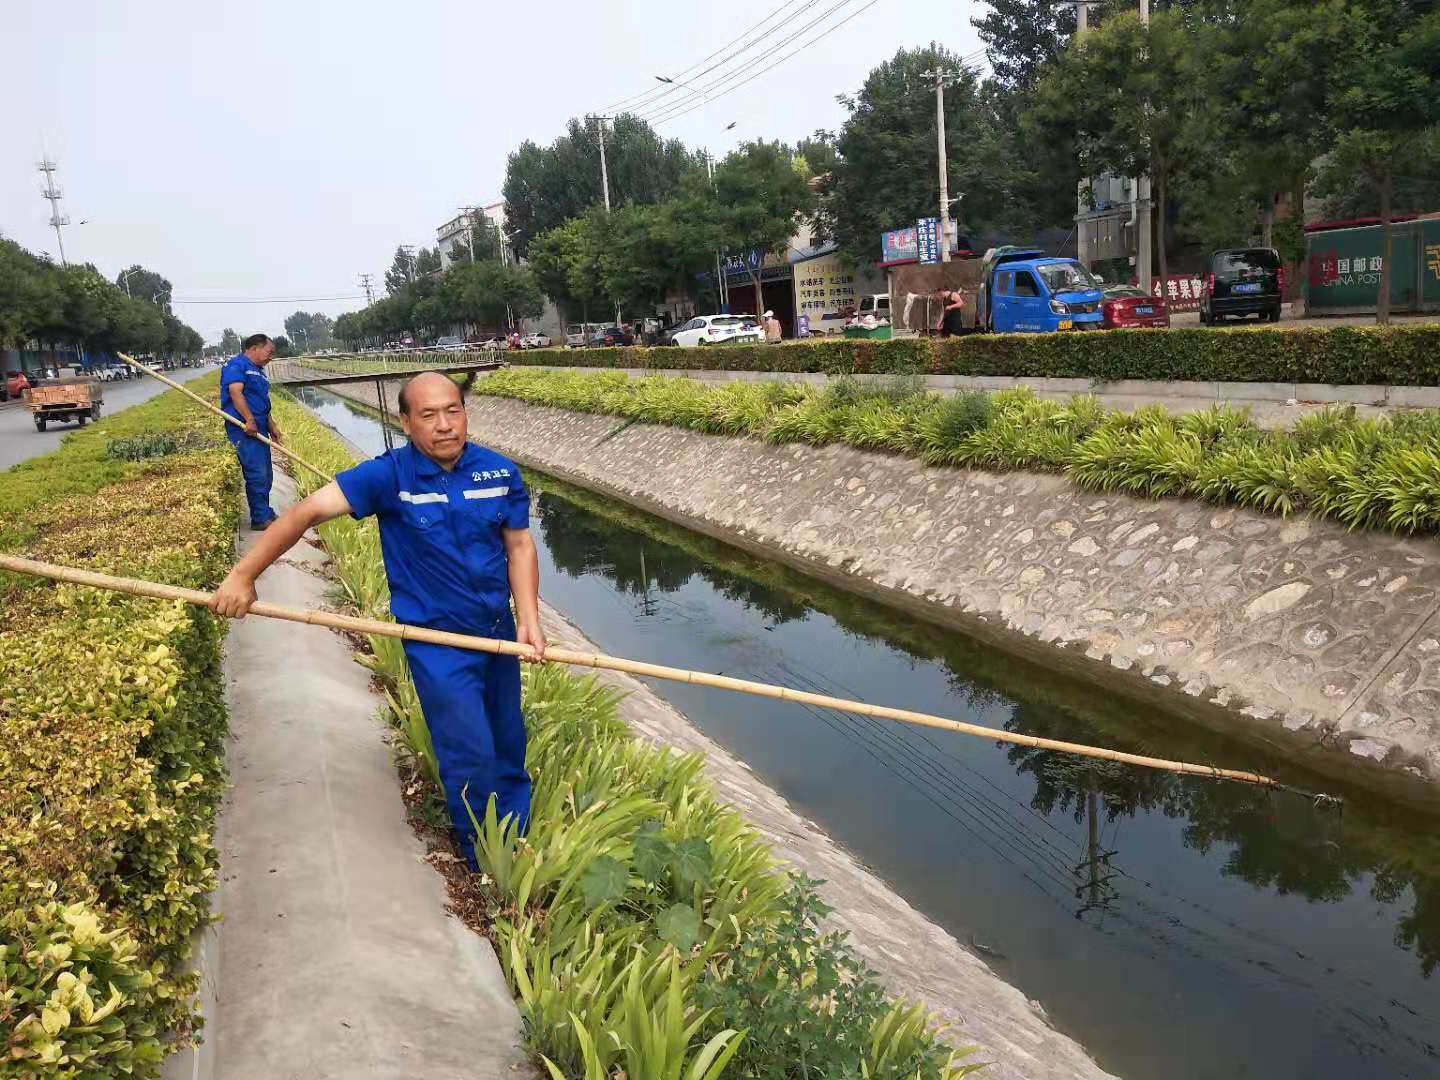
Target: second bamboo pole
(225,416)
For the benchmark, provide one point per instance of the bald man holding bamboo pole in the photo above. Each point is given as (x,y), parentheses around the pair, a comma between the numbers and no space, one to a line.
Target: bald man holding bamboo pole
(454,532)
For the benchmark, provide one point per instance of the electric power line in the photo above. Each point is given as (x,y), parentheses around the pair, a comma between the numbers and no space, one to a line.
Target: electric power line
(966,64)
(776,62)
(703,90)
(655,93)
(271,300)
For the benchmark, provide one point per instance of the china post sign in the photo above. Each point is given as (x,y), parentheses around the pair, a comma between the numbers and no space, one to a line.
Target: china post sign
(927,239)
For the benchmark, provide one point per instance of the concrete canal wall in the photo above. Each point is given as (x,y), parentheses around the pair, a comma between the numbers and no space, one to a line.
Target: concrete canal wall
(1296,635)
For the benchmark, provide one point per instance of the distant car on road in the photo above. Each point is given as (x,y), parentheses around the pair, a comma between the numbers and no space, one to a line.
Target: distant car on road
(610,336)
(450,343)
(577,335)
(1240,282)
(717,330)
(535,341)
(1129,305)
(15,384)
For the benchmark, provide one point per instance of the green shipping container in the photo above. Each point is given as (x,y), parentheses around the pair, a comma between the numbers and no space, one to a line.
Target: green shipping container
(1343,268)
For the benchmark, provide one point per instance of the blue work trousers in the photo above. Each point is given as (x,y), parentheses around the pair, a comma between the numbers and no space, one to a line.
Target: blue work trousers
(471,702)
(259,473)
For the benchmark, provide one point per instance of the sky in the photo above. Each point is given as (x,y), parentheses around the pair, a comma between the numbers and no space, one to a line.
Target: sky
(275,150)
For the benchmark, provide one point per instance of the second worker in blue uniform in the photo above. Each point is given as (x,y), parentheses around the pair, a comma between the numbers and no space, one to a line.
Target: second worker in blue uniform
(245,395)
(454,533)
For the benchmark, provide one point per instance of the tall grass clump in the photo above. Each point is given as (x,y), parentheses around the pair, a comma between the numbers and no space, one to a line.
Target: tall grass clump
(644,927)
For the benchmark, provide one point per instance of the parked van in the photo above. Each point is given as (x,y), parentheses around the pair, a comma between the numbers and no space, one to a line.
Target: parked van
(1240,282)
(876,304)
(578,335)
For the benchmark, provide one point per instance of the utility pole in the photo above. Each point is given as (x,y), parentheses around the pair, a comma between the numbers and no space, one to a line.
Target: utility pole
(53,194)
(1082,245)
(1143,241)
(604,173)
(365,280)
(409,252)
(939,77)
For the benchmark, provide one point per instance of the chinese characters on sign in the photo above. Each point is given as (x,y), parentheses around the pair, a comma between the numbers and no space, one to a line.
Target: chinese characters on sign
(1180,293)
(1328,269)
(927,239)
(823,287)
(898,244)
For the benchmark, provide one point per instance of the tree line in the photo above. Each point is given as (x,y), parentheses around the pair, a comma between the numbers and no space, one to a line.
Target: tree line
(76,306)
(1230,106)
(425,300)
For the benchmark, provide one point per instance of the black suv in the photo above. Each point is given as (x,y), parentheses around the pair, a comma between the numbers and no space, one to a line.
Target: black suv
(1240,282)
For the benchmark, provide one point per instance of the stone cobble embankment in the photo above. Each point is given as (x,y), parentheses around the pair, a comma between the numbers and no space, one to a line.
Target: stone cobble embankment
(1292,633)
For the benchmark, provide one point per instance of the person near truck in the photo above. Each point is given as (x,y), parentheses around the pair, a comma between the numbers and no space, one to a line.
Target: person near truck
(455,536)
(952,307)
(245,395)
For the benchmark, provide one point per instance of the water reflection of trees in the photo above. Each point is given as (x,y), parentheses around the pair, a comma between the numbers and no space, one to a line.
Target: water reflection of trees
(583,542)
(1276,841)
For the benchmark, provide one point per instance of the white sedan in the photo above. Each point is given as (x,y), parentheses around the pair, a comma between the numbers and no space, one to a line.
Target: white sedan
(535,341)
(715,329)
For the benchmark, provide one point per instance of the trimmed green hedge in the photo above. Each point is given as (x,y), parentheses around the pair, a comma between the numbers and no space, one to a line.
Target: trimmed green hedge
(1385,355)
(112,727)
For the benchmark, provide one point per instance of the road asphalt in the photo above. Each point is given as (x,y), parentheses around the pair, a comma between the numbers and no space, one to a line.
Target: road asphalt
(20,441)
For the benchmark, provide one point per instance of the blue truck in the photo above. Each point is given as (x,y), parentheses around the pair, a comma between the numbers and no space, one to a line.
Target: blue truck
(1022,290)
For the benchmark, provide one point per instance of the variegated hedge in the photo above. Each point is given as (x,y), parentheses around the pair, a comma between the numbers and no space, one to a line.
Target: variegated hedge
(111,728)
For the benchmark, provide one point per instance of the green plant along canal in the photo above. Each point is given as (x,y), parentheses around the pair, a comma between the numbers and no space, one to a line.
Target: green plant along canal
(1178,928)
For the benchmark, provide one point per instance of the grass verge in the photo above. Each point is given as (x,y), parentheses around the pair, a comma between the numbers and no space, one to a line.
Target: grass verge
(644,927)
(1361,472)
(111,727)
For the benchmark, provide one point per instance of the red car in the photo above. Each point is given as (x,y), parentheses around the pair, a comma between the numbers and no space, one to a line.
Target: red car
(1126,305)
(16,384)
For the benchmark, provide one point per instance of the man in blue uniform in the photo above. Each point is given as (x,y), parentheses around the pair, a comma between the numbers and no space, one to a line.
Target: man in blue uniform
(245,395)
(454,532)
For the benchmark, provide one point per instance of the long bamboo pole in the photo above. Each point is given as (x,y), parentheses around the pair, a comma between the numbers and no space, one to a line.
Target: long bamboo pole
(225,416)
(357,625)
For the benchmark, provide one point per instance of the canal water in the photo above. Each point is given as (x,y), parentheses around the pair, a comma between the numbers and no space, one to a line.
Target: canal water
(1178,928)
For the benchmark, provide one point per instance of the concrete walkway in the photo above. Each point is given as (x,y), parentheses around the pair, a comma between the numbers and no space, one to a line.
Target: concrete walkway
(337,956)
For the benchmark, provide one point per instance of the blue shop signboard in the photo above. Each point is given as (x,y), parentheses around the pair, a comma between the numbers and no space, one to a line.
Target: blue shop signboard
(898,244)
(927,239)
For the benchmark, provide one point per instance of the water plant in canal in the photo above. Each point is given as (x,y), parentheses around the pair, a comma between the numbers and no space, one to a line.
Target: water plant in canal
(806,999)
(1363,472)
